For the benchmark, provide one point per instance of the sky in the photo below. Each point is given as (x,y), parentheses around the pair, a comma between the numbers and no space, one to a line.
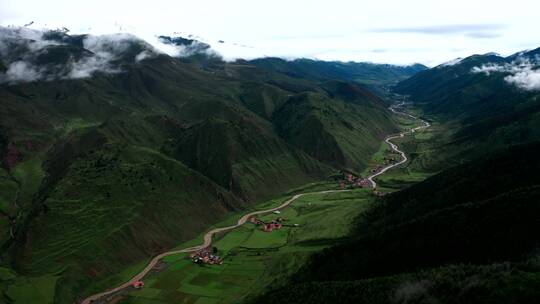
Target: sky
(382,31)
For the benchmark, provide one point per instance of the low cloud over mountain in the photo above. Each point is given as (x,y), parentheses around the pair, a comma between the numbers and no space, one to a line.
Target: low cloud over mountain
(523,72)
(29,55)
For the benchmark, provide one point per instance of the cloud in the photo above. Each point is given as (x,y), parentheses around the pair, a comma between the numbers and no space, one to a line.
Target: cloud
(490,68)
(512,68)
(86,67)
(451,62)
(183,47)
(112,43)
(21,71)
(528,80)
(32,55)
(144,55)
(106,49)
(379,50)
(522,73)
(26,39)
(483,35)
(471,30)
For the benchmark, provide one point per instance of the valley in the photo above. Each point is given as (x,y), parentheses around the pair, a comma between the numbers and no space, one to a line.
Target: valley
(170,145)
(394,147)
(156,170)
(231,242)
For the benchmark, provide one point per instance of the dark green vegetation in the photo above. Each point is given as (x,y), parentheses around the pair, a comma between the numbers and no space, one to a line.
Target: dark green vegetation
(464,235)
(101,172)
(364,72)
(478,111)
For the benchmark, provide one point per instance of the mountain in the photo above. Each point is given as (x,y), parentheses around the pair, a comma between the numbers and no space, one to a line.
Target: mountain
(362,72)
(484,101)
(107,143)
(461,236)
(340,134)
(192,45)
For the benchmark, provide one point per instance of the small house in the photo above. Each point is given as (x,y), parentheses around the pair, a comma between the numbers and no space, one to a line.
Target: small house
(268,227)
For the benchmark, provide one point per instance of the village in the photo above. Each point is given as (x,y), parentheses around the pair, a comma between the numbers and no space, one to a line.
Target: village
(208,256)
(347,180)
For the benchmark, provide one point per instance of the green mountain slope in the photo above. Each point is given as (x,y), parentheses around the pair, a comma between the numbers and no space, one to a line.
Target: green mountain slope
(461,236)
(481,110)
(342,127)
(243,157)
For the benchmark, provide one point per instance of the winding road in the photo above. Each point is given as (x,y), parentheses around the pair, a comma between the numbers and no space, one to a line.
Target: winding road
(209,235)
(207,242)
(394,147)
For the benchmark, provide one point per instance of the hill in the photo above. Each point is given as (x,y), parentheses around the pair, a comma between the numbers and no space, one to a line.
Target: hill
(484,101)
(462,236)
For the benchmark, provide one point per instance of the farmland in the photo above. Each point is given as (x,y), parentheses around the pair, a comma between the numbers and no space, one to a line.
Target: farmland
(253,259)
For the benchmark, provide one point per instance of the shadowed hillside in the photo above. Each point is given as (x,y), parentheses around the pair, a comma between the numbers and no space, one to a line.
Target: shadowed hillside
(471,223)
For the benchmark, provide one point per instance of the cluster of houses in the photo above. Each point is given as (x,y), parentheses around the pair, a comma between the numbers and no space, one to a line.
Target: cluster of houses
(205,256)
(273,225)
(386,161)
(270,226)
(348,180)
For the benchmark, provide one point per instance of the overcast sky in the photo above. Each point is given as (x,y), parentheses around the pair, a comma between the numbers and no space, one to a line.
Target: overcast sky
(401,32)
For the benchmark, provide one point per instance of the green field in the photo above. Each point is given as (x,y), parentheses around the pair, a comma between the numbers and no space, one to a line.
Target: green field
(255,260)
(28,290)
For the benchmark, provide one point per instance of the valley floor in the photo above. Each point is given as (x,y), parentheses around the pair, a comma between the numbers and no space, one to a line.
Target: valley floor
(254,259)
